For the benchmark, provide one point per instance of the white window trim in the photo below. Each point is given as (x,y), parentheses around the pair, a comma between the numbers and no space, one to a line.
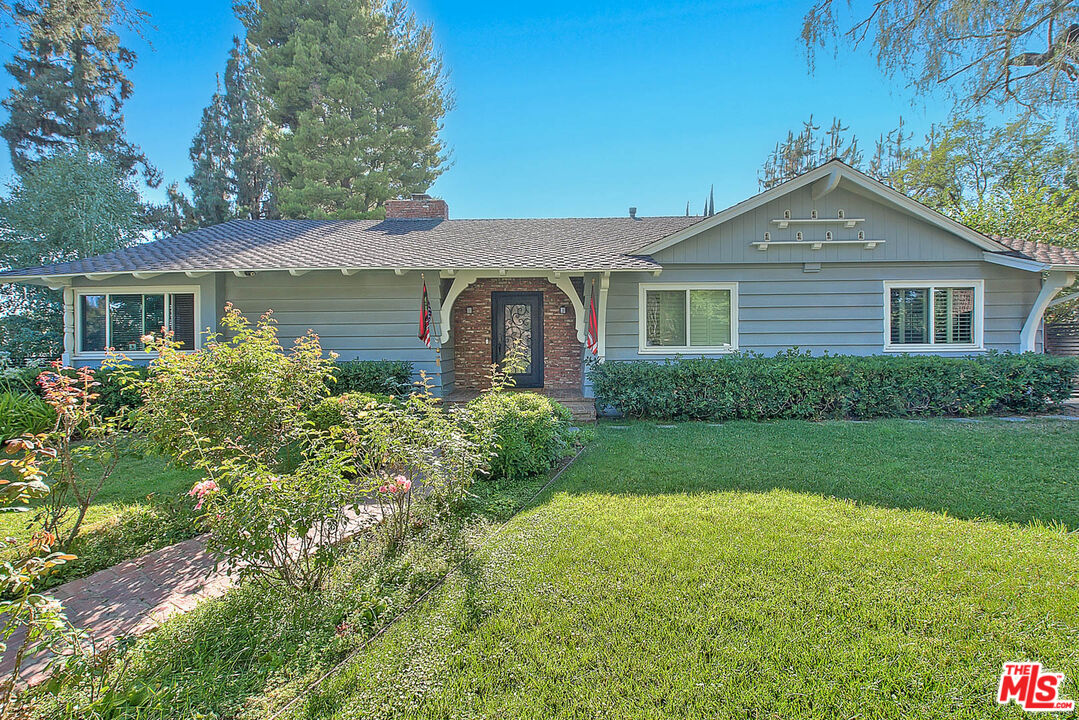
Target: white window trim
(131,290)
(979,316)
(642,324)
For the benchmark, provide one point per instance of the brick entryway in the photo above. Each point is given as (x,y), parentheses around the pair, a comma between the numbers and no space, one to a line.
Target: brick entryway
(472,335)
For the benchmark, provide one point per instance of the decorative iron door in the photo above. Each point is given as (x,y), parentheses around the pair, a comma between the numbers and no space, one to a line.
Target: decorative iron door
(517,323)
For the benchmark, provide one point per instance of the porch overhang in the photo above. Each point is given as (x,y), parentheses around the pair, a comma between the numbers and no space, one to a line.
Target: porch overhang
(463,278)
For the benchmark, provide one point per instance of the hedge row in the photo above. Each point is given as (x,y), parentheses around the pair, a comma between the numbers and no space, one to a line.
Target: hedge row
(374,377)
(795,385)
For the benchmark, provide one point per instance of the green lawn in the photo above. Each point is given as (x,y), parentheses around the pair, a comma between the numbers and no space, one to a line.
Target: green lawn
(882,569)
(140,508)
(135,478)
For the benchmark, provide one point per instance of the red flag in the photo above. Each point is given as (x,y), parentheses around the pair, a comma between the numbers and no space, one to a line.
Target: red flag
(425,317)
(592,339)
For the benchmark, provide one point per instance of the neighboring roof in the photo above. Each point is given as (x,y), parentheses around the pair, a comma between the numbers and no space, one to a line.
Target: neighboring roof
(553,244)
(1042,252)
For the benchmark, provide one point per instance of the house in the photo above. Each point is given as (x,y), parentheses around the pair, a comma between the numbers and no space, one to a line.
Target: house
(830,261)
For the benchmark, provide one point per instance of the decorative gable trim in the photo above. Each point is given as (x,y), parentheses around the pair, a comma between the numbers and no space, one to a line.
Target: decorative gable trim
(829,175)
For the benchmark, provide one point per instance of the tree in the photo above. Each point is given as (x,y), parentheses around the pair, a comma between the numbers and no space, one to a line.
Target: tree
(355,94)
(807,149)
(75,204)
(232,176)
(980,51)
(71,84)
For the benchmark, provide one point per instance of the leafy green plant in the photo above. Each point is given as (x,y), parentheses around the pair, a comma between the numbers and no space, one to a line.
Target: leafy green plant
(374,377)
(397,446)
(530,432)
(281,528)
(337,410)
(798,385)
(23,413)
(78,452)
(241,395)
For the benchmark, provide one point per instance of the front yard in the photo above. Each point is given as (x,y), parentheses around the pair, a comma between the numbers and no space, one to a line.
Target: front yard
(882,569)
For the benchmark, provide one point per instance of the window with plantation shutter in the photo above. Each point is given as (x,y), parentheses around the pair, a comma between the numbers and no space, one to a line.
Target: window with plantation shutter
(119,320)
(933,316)
(698,318)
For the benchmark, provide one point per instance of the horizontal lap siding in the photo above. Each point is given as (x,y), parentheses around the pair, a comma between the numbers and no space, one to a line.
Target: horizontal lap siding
(371,315)
(839,309)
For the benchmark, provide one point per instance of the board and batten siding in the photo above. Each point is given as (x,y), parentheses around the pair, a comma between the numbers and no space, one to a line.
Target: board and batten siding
(906,237)
(372,315)
(839,309)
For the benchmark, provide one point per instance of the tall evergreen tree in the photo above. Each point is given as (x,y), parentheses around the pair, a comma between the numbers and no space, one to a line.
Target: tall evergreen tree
(807,149)
(356,95)
(71,84)
(232,177)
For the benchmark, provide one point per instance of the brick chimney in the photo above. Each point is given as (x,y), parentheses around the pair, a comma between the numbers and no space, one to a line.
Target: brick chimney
(419,206)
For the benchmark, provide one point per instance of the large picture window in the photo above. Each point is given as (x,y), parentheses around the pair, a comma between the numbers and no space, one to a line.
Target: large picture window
(933,316)
(698,318)
(120,319)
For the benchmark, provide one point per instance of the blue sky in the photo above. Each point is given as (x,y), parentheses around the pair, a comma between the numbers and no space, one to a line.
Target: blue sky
(568,108)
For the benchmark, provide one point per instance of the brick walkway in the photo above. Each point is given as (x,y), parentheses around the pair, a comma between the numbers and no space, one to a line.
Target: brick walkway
(136,596)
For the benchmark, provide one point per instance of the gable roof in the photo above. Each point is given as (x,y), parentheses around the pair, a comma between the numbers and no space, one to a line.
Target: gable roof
(551,244)
(829,175)
(565,244)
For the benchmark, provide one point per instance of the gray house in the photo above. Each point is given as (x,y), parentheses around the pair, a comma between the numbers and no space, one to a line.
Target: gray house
(830,261)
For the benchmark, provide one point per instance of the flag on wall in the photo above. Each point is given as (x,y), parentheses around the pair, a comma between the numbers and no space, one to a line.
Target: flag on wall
(425,317)
(592,339)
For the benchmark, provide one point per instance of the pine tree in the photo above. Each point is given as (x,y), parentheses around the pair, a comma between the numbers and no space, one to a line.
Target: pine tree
(355,93)
(232,177)
(71,84)
(802,152)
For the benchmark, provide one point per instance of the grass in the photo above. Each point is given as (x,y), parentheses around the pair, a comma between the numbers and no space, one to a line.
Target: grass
(137,510)
(248,652)
(882,569)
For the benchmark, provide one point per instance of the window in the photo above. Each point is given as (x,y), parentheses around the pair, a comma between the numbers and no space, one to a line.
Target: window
(699,318)
(120,319)
(933,316)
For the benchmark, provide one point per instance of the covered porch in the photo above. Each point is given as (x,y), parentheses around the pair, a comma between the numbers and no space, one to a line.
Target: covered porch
(541,314)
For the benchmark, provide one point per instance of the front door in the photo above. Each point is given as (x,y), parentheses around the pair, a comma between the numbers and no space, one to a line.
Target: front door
(517,321)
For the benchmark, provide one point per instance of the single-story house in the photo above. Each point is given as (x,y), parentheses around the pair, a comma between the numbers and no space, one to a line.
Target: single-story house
(829,261)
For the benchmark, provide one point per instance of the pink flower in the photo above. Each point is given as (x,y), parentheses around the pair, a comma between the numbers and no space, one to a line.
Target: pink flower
(405,484)
(201,490)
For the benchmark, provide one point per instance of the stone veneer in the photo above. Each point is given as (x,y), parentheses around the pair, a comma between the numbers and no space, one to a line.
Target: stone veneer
(472,334)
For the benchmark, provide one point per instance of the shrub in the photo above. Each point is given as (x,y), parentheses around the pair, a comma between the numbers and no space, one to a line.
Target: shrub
(23,413)
(243,395)
(374,377)
(531,431)
(397,446)
(282,528)
(337,410)
(797,385)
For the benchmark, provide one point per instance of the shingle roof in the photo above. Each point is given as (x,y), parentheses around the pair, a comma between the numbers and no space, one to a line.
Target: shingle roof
(556,244)
(1042,252)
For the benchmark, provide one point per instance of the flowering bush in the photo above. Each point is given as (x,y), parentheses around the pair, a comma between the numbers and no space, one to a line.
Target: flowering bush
(395,503)
(242,394)
(50,466)
(401,445)
(282,528)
